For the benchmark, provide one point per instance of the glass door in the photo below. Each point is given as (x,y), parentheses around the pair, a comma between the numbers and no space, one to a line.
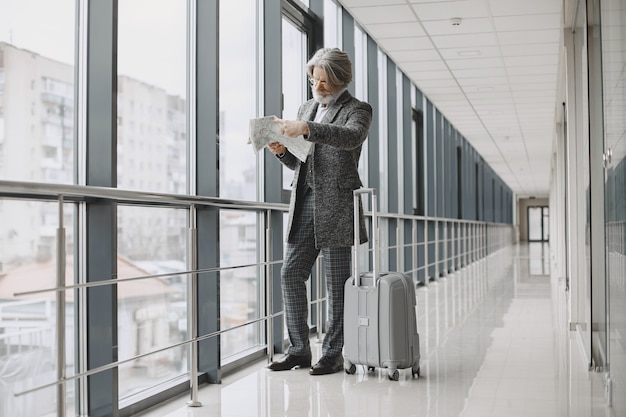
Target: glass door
(597,192)
(613,22)
(538,224)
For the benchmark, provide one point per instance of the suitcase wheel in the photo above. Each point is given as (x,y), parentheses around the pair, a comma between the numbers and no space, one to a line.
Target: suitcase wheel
(351,369)
(394,374)
(416,372)
(371,368)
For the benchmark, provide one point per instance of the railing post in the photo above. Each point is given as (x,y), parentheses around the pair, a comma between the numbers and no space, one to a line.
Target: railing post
(399,247)
(437,250)
(461,247)
(426,260)
(477,241)
(269,323)
(469,243)
(414,251)
(481,229)
(486,239)
(192,319)
(453,246)
(472,227)
(446,240)
(60,312)
(466,244)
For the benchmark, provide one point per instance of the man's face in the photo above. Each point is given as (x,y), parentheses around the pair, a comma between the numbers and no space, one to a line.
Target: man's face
(322,93)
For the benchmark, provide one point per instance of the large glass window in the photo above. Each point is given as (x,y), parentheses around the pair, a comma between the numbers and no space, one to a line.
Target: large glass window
(332,24)
(581,297)
(294,78)
(613,19)
(360,88)
(239,287)
(37,90)
(36,144)
(417,134)
(382,145)
(239,97)
(152,312)
(28,344)
(151,156)
(383,156)
(295,88)
(151,128)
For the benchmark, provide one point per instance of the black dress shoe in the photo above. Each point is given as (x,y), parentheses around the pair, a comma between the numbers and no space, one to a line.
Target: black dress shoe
(290,362)
(327,365)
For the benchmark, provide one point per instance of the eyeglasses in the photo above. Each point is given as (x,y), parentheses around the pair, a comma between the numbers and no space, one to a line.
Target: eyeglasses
(314,82)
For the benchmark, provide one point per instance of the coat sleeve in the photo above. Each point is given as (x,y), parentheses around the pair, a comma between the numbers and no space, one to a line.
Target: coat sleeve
(289,160)
(348,131)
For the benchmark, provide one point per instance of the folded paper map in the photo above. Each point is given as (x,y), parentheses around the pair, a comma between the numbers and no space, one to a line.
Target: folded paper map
(264,130)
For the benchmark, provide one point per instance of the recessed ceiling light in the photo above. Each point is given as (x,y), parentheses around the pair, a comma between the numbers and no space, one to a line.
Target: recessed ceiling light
(469,52)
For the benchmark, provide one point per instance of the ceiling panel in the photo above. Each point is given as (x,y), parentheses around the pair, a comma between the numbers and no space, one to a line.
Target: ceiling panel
(520,37)
(383,14)
(416,55)
(465,9)
(465,41)
(431,75)
(527,22)
(533,70)
(526,7)
(483,84)
(465,52)
(444,27)
(480,73)
(425,84)
(405,44)
(494,76)
(416,66)
(546,100)
(358,3)
(517,61)
(394,30)
(475,63)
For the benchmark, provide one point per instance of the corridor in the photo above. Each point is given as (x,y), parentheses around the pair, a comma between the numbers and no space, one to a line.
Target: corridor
(493,343)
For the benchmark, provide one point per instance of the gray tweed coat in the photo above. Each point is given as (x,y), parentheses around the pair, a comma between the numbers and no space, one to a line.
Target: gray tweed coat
(337,146)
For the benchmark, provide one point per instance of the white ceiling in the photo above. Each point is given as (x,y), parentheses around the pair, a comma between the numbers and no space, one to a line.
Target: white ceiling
(494,76)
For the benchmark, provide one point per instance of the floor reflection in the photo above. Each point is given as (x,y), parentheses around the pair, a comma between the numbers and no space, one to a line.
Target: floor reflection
(539,258)
(488,348)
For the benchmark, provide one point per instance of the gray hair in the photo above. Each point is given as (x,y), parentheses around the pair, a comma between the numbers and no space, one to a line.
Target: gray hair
(335,63)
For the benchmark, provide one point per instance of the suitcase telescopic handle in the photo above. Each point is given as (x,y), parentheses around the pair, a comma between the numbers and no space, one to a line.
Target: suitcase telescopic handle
(355,249)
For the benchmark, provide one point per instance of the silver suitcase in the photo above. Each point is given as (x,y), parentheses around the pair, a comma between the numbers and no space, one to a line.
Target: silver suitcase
(380,328)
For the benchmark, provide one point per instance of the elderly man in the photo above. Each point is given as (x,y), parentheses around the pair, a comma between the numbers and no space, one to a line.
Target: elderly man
(321,206)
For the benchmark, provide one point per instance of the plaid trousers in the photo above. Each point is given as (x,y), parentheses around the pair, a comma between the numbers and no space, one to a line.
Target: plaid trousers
(299,260)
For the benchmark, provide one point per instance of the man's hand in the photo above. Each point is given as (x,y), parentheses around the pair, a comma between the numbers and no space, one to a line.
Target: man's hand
(276,148)
(293,128)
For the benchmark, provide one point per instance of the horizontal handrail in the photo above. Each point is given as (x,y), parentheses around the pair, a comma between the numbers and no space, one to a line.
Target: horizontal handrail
(79,193)
(468,240)
(75,193)
(115,281)
(115,364)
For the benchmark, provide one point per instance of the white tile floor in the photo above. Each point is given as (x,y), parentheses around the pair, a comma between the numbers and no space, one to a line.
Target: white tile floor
(493,343)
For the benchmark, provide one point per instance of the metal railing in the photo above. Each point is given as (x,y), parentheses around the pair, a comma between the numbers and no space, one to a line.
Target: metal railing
(456,243)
